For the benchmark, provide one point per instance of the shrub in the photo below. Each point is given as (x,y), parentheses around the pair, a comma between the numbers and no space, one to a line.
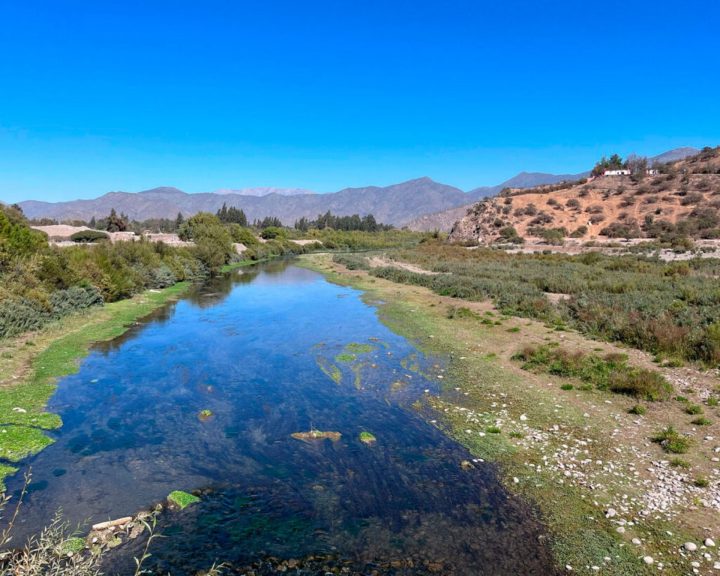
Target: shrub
(638,410)
(640,383)
(88,236)
(672,441)
(702,421)
(273,232)
(608,373)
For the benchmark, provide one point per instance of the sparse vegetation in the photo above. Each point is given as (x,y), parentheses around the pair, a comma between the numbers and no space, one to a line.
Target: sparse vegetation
(604,373)
(627,299)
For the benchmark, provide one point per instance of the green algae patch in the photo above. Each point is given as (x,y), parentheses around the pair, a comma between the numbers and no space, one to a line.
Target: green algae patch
(313,435)
(358,348)
(5,471)
(55,353)
(72,546)
(351,352)
(18,442)
(182,499)
(367,438)
(329,369)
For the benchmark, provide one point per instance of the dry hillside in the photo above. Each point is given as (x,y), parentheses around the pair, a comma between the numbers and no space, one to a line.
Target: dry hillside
(681,200)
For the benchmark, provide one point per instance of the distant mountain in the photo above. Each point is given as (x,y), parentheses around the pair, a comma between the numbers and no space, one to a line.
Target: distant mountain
(264,191)
(443,220)
(673,155)
(396,204)
(420,204)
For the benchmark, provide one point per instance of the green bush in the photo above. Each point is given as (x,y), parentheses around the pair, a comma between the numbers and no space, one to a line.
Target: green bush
(672,441)
(604,373)
(88,236)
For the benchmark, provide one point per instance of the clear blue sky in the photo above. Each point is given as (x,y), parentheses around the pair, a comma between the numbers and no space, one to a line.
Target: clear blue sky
(99,95)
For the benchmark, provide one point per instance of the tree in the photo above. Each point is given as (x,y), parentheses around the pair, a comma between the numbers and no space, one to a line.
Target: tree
(231,215)
(213,244)
(115,223)
(179,221)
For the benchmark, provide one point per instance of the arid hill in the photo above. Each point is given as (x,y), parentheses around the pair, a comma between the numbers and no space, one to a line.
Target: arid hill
(678,199)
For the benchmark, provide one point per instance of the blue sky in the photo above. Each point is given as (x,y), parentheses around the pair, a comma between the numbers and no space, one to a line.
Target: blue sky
(98,96)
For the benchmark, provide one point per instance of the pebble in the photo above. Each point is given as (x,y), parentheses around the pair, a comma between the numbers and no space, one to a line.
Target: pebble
(709,542)
(648,560)
(636,541)
(611,513)
(690,546)
(620,530)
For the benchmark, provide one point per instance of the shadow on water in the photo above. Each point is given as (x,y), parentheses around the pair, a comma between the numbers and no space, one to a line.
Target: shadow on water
(272,351)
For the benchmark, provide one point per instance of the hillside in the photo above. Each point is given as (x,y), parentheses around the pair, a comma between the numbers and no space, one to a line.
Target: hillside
(683,199)
(445,219)
(396,204)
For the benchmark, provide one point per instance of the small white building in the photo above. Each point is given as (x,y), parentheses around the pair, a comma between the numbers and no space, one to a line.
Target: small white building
(652,172)
(617,172)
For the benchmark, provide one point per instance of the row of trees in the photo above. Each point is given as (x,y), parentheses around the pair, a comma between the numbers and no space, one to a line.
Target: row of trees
(346,223)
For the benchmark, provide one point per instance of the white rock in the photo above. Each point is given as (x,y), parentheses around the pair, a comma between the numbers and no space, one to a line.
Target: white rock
(636,541)
(648,560)
(620,530)
(611,513)
(709,542)
(690,546)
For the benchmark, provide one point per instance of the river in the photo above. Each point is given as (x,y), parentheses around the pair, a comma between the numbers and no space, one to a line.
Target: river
(270,352)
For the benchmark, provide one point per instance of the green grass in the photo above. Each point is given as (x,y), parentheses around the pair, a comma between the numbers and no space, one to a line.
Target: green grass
(23,405)
(182,499)
(672,441)
(702,421)
(679,463)
(701,482)
(693,409)
(638,410)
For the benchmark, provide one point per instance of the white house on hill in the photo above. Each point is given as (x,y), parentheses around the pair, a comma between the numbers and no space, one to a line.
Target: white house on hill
(617,172)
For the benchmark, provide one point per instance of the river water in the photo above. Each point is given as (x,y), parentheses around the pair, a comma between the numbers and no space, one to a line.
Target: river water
(270,352)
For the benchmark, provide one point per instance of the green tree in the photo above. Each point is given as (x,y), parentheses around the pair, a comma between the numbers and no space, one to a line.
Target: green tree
(115,223)
(213,244)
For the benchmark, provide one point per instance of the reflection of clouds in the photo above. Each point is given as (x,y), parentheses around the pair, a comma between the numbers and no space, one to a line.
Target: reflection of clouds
(257,435)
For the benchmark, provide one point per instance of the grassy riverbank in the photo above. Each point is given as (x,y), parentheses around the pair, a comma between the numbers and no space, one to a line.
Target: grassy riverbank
(30,365)
(609,495)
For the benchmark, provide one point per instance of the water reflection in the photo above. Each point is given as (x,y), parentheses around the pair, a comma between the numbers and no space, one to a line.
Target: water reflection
(270,352)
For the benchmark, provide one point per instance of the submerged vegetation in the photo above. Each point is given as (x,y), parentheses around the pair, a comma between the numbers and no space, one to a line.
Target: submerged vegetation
(182,499)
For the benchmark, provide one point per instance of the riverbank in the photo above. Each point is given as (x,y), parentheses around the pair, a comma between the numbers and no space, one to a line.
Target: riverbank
(30,365)
(613,501)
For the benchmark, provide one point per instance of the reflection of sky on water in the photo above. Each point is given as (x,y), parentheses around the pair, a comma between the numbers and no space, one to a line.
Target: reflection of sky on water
(249,348)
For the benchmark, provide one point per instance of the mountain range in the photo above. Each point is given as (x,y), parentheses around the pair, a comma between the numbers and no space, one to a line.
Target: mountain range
(402,204)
